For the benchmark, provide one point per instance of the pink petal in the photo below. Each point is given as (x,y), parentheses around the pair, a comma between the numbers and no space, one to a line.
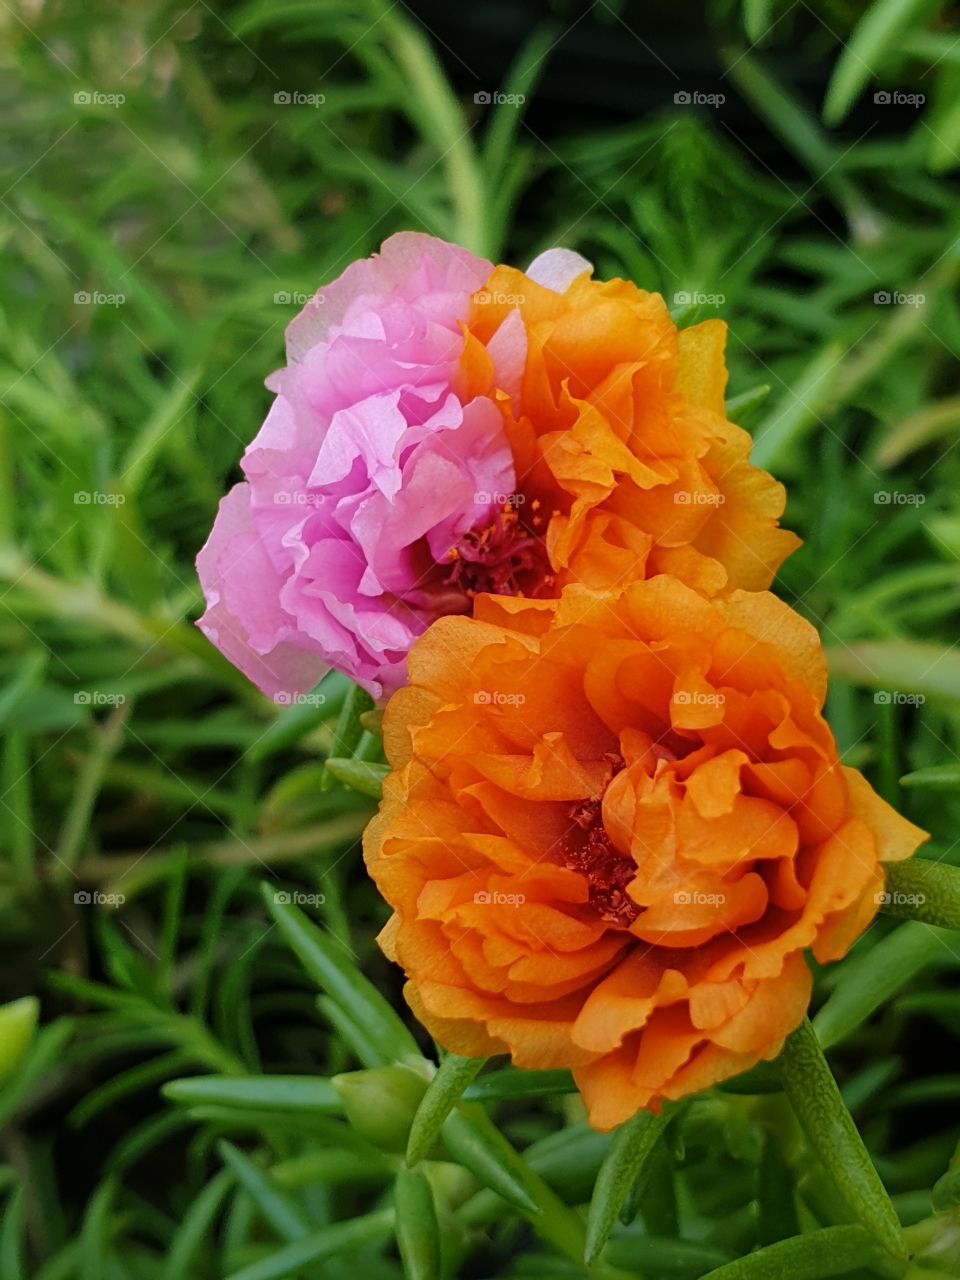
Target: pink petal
(556,269)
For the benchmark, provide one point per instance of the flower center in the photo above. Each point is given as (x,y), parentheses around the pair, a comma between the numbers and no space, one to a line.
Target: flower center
(587,849)
(503,558)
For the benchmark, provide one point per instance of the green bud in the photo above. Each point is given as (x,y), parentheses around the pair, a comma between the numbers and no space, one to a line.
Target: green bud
(380,1103)
(18,1022)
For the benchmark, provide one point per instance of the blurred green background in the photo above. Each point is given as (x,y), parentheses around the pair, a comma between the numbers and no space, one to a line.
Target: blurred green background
(179,179)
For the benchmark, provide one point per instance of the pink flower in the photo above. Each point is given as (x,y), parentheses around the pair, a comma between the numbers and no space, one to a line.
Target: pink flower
(369,472)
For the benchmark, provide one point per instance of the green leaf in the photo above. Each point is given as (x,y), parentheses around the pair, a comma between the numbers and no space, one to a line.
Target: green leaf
(443,1093)
(43,1054)
(624,1163)
(14,691)
(923,890)
(138,1142)
(418,1234)
(342,1237)
(263,1122)
(936,777)
(667,1259)
(513,1084)
(787,115)
(94,1233)
(938,417)
(372,721)
(436,112)
(362,777)
(278,1208)
(349,730)
(568,1160)
(18,1025)
(757,16)
(869,978)
(141,1076)
(310,1094)
(903,665)
(325,962)
(369,1053)
(741,406)
(173,405)
(472,1140)
(194,1230)
(763,1078)
(943,131)
(798,410)
(927,1091)
(12,1238)
(873,42)
(814,1256)
(946,1191)
(813,1093)
(522,76)
(294,722)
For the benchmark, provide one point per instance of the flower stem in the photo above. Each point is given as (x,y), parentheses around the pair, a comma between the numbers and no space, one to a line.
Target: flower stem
(831,1132)
(924,890)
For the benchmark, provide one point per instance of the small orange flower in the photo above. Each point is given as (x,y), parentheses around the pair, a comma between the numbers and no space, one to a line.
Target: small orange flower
(615,823)
(626,463)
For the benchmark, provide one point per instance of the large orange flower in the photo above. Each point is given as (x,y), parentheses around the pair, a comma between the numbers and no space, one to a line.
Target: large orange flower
(625,461)
(614,825)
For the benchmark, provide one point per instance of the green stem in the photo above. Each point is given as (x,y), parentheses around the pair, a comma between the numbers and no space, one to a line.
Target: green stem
(631,1147)
(831,1132)
(443,1093)
(923,890)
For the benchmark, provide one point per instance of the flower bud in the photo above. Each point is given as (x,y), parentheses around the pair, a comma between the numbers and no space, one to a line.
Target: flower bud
(18,1023)
(380,1103)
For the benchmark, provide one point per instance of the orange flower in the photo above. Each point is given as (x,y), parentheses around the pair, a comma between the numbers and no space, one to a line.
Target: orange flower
(614,825)
(625,460)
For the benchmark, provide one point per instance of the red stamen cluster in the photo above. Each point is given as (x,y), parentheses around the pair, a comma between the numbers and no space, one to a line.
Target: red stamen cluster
(503,558)
(588,850)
